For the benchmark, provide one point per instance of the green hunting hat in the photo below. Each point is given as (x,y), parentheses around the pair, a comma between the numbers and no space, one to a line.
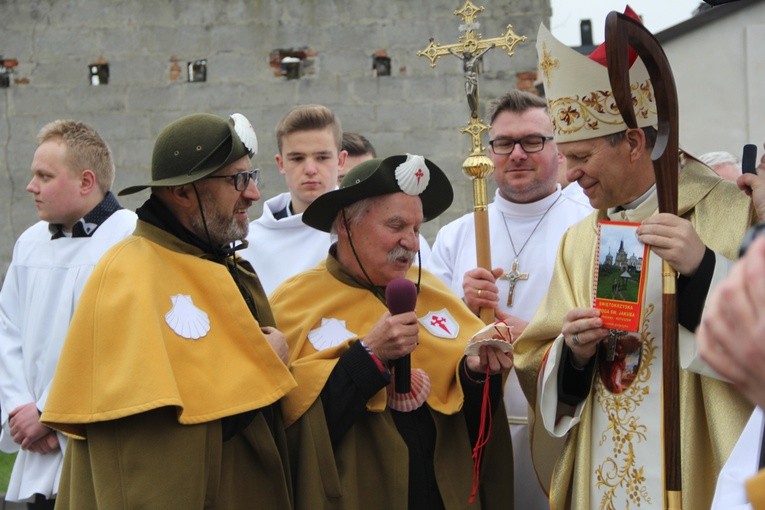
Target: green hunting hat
(195,146)
(410,174)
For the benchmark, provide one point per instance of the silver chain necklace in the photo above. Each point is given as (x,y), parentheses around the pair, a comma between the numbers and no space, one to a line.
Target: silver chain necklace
(514,275)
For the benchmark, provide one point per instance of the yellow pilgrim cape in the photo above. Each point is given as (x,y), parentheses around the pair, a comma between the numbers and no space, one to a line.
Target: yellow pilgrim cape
(301,304)
(713,413)
(121,357)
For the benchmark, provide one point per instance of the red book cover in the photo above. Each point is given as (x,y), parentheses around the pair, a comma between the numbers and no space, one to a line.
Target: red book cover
(620,268)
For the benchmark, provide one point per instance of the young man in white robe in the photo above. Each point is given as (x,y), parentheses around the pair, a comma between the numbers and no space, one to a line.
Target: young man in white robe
(280,244)
(72,173)
(527,218)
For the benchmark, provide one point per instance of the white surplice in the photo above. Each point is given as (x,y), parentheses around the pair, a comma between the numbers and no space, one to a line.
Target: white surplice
(37,300)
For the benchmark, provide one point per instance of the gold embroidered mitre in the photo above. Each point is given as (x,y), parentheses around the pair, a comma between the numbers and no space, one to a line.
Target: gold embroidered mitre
(579,93)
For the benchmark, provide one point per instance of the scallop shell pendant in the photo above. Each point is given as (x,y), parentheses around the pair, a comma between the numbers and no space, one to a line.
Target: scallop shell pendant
(413,175)
(186,319)
(497,334)
(418,393)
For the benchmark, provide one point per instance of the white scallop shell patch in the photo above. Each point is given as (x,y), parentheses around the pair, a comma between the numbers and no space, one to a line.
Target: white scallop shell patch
(246,133)
(332,332)
(413,175)
(186,319)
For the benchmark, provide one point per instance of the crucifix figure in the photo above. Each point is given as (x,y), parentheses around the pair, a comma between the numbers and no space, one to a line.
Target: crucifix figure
(513,276)
(470,67)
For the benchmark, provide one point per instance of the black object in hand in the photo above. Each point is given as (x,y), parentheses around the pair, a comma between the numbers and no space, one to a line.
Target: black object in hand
(749,159)
(751,234)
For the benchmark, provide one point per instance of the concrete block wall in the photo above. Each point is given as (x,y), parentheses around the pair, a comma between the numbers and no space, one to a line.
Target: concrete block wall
(417,109)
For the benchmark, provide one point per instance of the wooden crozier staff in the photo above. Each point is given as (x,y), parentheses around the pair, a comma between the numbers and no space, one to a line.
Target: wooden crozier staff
(622,31)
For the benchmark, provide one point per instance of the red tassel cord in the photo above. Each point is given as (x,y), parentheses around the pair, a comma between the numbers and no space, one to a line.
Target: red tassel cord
(484,432)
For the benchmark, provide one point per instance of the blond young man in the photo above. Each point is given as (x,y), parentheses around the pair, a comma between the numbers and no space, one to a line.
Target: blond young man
(72,173)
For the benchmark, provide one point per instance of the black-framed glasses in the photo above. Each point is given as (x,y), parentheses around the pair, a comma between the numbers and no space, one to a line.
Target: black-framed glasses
(241,179)
(529,144)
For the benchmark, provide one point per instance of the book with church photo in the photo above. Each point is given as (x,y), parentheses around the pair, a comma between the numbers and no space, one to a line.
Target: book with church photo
(621,266)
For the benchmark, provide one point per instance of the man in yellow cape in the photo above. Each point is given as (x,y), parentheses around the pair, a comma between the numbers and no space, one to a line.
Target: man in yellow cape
(171,374)
(357,440)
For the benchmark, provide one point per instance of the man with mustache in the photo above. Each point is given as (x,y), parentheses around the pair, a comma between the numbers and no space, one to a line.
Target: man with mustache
(360,149)
(170,378)
(354,441)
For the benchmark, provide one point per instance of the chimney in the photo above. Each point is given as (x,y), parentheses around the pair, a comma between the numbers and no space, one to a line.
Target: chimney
(585,29)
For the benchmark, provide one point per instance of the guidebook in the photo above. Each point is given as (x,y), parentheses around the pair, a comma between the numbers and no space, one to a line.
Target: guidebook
(620,269)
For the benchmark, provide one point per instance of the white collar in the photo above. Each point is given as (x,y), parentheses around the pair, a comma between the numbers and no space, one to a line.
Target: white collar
(531,209)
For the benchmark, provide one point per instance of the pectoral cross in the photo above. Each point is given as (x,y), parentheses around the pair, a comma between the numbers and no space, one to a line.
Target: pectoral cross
(513,276)
(613,339)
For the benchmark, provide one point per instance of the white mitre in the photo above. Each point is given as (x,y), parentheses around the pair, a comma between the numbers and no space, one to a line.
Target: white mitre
(579,93)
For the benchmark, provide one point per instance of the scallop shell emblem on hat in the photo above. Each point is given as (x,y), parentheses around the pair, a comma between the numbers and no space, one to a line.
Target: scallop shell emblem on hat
(244,129)
(417,395)
(413,175)
(186,319)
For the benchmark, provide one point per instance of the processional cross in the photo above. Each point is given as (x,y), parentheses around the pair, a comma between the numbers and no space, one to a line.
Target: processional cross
(470,47)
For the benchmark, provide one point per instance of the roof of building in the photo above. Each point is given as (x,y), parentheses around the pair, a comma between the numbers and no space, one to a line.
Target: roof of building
(705,15)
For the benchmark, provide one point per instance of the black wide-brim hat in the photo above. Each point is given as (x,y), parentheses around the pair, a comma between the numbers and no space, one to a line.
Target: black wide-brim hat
(410,174)
(196,146)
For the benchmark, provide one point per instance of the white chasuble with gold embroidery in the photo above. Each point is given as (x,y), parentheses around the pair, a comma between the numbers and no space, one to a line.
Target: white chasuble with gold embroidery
(607,452)
(625,411)
(626,415)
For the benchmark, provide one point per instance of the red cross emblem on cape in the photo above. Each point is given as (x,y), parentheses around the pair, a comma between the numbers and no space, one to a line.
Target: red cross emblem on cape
(440,324)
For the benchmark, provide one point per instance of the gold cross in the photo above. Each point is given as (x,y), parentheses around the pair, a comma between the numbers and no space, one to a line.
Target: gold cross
(471,42)
(477,166)
(470,47)
(513,276)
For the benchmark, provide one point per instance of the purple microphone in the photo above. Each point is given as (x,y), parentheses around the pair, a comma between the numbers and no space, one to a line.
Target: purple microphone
(401,297)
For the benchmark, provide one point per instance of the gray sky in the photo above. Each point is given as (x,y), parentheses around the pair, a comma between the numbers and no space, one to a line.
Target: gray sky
(657,15)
